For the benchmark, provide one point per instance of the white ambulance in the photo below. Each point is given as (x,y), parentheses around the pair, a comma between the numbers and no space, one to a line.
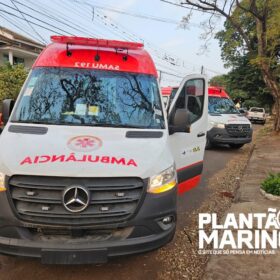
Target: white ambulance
(90,163)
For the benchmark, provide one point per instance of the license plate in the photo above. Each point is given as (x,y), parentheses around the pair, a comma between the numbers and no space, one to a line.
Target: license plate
(52,256)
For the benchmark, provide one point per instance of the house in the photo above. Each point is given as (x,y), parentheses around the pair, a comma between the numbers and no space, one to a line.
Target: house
(16,48)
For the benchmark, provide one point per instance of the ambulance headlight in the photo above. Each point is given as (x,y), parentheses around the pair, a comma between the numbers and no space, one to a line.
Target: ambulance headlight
(164,181)
(218,125)
(2,182)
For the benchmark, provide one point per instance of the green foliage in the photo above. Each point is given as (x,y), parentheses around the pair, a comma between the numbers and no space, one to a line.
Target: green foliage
(251,33)
(273,36)
(231,42)
(272,184)
(246,79)
(219,81)
(239,94)
(11,80)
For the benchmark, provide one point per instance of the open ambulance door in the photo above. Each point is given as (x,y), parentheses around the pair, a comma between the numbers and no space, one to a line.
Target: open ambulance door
(187,146)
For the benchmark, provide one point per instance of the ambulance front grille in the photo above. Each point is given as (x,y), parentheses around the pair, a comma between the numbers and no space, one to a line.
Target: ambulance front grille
(39,199)
(238,130)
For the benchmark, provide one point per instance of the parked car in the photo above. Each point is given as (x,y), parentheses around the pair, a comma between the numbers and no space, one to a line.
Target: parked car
(256,114)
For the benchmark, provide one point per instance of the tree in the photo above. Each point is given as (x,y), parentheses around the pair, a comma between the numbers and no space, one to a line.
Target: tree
(260,40)
(219,81)
(245,82)
(11,80)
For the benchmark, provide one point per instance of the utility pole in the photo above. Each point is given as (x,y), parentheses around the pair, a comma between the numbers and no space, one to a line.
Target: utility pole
(202,70)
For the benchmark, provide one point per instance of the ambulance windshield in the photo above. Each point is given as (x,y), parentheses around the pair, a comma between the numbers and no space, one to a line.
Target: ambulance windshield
(71,96)
(218,105)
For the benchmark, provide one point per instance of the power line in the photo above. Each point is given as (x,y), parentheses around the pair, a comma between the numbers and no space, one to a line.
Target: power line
(68,24)
(103,20)
(133,14)
(27,21)
(188,8)
(100,18)
(59,18)
(170,74)
(78,27)
(78,14)
(115,28)
(30,22)
(162,54)
(18,27)
(175,63)
(23,13)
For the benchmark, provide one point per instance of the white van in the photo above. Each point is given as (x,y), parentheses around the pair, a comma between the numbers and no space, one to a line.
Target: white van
(225,123)
(90,164)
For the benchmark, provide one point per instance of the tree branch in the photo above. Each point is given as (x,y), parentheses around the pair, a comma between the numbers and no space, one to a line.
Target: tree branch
(252,10)
(204,5)
(231,6)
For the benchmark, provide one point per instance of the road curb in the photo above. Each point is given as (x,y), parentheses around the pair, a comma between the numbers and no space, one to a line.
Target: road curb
(269,196)
(236,193)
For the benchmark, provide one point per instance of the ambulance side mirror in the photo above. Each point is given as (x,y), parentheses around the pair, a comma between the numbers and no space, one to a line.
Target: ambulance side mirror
(181,122)
(7,108)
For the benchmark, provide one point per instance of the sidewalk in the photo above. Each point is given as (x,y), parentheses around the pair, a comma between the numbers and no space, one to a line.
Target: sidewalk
(265,159)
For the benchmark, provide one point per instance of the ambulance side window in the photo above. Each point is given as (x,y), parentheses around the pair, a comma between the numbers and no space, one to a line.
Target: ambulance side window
(191,97)
(181,101)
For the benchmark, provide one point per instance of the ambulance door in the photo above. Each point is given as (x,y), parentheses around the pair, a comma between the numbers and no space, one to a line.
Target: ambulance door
(188,146)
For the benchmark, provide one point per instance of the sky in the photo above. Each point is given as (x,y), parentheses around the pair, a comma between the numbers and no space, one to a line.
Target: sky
(167,43)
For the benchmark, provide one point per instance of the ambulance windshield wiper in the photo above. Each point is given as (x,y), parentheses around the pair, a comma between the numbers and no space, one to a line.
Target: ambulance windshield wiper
(33,122)
(126,126)
(100,125)
(118,125)
(85,124)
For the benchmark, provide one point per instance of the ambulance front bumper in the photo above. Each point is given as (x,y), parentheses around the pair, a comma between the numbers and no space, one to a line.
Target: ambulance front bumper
(222,136)
(67,245)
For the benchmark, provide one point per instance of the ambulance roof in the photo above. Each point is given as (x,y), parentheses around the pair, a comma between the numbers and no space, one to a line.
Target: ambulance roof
(101,54)
(167,90)
(217,92)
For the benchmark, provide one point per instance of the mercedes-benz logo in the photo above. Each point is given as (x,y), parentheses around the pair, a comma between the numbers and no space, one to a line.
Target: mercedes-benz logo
(75,199)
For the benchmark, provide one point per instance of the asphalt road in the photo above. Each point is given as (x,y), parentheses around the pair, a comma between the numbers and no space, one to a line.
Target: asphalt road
(131,267)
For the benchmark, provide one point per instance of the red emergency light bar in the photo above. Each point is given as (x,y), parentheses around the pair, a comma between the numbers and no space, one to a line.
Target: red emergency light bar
(73,40)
